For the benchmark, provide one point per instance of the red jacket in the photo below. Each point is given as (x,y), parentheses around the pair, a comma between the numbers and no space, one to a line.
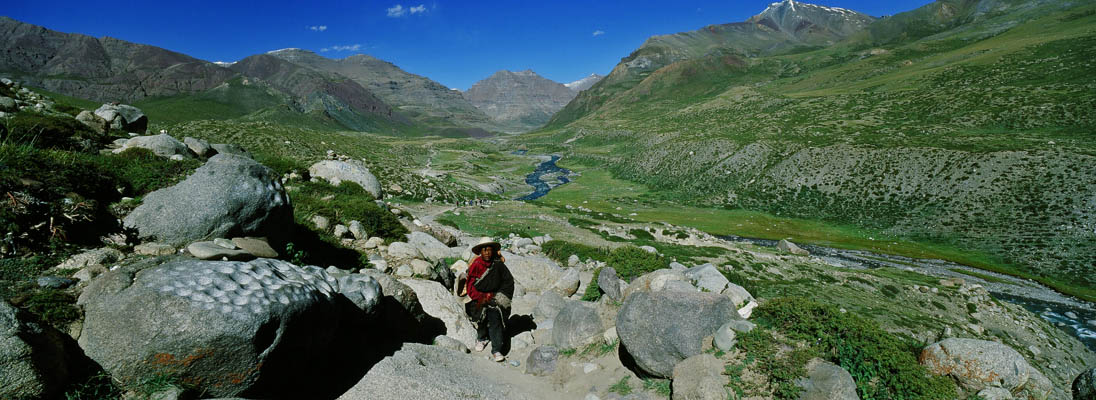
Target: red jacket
(475,271)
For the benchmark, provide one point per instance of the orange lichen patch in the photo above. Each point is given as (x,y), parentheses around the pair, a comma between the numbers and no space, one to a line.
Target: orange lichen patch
(238,378)
(169,360)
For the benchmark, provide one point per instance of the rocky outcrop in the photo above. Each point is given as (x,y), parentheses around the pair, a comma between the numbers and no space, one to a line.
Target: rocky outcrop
(335,172)
(229,196)
(431,372)
(535,273)
(979,364)
(1084,386)
(661,328)
(162,145)
(233,328)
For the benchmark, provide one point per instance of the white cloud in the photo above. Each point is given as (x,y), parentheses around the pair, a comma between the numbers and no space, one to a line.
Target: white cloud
(420,9)
(349,47)
(396,11)
(599,32)
(318,28)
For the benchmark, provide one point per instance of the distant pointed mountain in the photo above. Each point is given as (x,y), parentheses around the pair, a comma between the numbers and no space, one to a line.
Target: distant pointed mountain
(419,98)
(584,83)
(519,101)
(782,27)
(104,69)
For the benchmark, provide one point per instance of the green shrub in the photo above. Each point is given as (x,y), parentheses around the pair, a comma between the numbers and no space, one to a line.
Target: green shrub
(631,262)
(782,369)
(48,132)
(351,202)
(97,387)
(890,291)
(447,222)
(560,251)
(54,307)
(642,234)
(883,364)
(593,291)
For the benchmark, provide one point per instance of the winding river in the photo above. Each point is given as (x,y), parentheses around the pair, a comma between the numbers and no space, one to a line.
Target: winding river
(1067,313)
(535,179)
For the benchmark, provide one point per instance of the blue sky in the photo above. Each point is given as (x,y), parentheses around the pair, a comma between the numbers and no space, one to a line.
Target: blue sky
(453,42)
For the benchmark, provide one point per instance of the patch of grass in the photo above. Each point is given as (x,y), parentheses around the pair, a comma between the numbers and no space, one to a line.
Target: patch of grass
(568,352)
(891,291)
(621,387)
(883,364)
(641,234)
(97,387)
(350,203)
(763,349)
(560,251)
(48,132)
(54,307)
(660,386)
(447,222)
(600,348)
(593,290)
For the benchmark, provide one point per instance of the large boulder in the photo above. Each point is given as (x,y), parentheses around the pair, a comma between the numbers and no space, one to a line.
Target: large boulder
(401,313)
(162,145)
(232,328)
(403,250)
(1084,387)
(707,278)
(656,281)
(699,377)
(576,325)
(609,283)
(438,302)
(787,246)
(124,117)
(229,196)
(95,122)
(658,329)
(542,361)
(335,172)
(33,359)
(548,306)
(428,246)
(978,364)
(200,147)
(535,273)
(568,283)
(826,381)
(430,372)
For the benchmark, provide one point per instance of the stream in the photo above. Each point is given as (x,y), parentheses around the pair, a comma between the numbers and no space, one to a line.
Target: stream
(1072,315)
(535,179)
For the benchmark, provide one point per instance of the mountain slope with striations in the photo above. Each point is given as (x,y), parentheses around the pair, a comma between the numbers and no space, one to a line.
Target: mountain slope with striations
(417,97)
(104,69)
(976,135)
(519,101)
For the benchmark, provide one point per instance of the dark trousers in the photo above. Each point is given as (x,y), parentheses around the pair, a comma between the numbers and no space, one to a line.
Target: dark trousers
(491,327)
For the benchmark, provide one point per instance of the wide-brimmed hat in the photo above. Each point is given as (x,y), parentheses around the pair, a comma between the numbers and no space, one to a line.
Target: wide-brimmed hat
(486,241)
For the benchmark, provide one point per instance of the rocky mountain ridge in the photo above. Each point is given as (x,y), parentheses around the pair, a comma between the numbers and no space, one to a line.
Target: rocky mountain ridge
(519,101)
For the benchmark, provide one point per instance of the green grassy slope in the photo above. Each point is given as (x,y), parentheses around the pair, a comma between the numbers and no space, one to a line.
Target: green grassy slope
(980,137)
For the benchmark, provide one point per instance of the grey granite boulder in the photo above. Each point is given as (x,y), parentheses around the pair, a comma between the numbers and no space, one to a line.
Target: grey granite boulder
(229,196)
(161,145)
(335,172)
(403,250)
(439,303)
(660,328)
(535,273)
(450,343)
(548,306)
(431,372)
(95,122)
(699,377)
(212,251)
(568,283)
(542,361)
(707,278)
(609,283)
(428,246)
(576,325)
(200,147)
(978,364)
(33,359)
(826,381)
(233,328)
(124,117)
(787,246)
